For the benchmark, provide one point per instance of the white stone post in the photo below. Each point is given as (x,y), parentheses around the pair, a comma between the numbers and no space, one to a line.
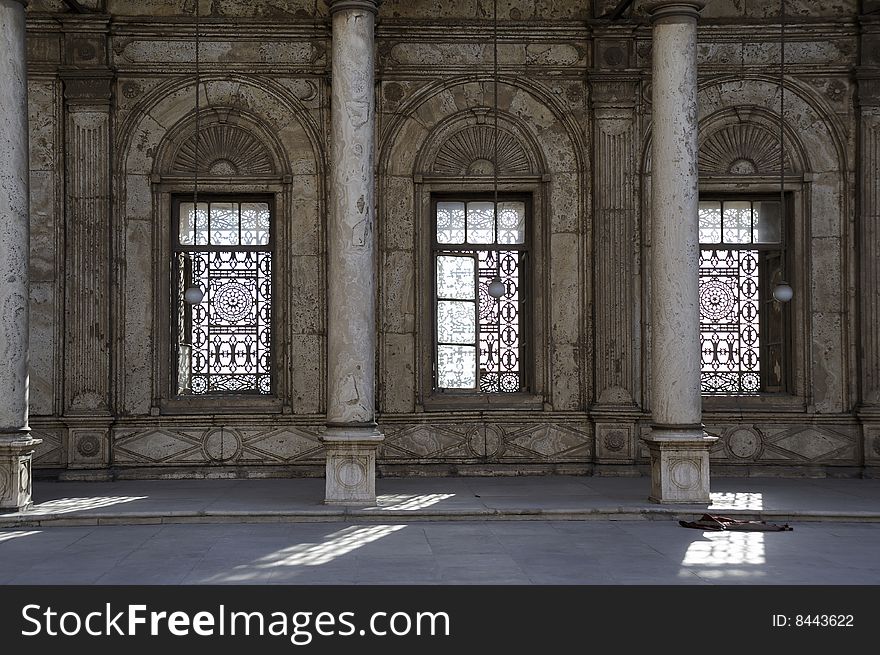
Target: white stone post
(678,445)
(352,437)
(16,444)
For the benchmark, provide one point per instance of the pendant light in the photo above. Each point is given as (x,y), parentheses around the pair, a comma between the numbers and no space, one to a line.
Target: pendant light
(782,291)
(496,288)
(194,294)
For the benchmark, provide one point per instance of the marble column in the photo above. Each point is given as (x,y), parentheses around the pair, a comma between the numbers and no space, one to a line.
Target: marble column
(352,437)
(16,444)
(678,445)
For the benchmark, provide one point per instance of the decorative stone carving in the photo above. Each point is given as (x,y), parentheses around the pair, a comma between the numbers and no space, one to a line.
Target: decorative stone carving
(744,442)
(741,149)
(224,149)
(474,146)
(222,445)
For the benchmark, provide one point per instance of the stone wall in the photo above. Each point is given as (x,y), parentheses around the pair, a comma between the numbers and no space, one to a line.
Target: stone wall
(112,97)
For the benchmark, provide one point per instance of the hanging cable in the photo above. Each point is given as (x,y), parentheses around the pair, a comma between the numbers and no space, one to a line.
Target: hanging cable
(198,118)
(782,291)
(496,287)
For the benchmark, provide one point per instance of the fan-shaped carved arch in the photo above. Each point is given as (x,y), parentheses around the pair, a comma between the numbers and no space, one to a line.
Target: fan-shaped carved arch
(742,149)
(223,149)
(472,151)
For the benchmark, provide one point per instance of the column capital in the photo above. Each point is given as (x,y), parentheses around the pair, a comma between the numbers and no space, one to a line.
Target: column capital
(365,5)
(676,11)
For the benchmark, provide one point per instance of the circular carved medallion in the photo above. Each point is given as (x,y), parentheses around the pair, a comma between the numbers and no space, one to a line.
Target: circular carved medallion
(222,444)
(350,473)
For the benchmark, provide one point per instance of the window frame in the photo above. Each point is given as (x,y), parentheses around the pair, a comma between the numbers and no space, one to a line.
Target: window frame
(528,397)
(793,398)
(225,402)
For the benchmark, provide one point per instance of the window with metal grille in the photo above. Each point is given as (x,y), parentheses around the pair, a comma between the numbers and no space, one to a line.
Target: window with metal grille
(222,290)
(479,340)
(742,328)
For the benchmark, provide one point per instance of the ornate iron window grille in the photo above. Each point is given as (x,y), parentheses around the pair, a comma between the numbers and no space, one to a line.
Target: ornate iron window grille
(479,343)
(742,328)
(224,247)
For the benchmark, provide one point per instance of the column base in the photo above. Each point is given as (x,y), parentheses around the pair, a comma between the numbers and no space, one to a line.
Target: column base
(679,466)
(16,453)
(351,465)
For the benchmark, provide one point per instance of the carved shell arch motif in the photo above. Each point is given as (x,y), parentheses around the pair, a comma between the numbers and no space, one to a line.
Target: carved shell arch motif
(742,149)
(472,151)
(223,150)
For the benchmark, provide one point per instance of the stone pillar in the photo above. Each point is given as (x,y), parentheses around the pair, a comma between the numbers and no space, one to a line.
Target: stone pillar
(678,445)
(868,180)
(87,93)
(352,437)
(16,444)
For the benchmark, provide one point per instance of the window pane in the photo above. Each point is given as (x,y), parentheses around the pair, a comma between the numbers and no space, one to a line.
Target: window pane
(511,222)
(455,277)
(456,367)
(456,322)
(710,222)
(230,331)
(254,223)
(729,322)
(224,223)
(193,225)
(450,222)
(737,222)
(480,222)
(768,223)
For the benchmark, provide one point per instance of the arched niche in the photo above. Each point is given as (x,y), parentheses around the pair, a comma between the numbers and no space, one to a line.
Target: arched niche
(739,127)
(441,140)
(254,137)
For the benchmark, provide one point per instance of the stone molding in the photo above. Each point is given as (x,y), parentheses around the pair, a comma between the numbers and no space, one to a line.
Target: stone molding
(674,11)
(353,5)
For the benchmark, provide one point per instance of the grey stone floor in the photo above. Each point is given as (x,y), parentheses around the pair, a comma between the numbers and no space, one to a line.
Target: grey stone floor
(443,552)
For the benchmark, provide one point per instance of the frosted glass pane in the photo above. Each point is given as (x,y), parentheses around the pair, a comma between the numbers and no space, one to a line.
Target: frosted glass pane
(254,224)
(456,277)
(456,322)
(737,222)
(511,222)
(224,223)
(193,225)
(450,222)
(710,222)
(456,367)
(480,222)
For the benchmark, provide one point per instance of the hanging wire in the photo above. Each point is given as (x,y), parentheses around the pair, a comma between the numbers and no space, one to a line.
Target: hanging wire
(782,110)
(198,118)
(495,103)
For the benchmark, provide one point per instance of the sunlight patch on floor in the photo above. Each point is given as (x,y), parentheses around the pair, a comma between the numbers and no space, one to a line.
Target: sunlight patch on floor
(67,505)
(6,536)
(737,500)
(337,544)
(410,502)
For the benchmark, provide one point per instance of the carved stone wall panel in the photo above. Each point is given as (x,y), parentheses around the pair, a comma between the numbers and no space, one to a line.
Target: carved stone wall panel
(742,443)
(616,442)
(216,445)
(249,54)
(228,9)
(52,452)
(496,442)
(88,447)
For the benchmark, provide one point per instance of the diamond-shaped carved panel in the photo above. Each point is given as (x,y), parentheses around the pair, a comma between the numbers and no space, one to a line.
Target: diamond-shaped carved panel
(812,443)
(284,444)
(152,446)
